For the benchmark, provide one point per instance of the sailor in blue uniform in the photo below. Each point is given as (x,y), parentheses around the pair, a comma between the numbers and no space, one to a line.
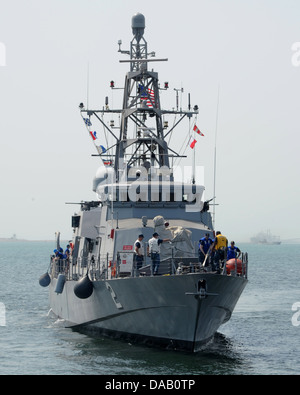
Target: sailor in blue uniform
(204,247)
(58,258)
(233,251)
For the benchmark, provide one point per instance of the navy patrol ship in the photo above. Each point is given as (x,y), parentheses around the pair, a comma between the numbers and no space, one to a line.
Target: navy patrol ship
(99,285)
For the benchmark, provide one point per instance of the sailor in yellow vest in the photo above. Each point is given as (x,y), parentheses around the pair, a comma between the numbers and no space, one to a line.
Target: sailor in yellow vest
(220,247)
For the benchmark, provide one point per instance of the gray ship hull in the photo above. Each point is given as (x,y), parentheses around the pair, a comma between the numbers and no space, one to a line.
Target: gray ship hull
(165,311)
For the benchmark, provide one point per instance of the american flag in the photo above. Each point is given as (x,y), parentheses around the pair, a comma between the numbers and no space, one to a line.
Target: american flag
(146,95)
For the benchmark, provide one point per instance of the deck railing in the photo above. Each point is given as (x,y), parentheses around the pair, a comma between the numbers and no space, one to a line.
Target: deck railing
(105,267)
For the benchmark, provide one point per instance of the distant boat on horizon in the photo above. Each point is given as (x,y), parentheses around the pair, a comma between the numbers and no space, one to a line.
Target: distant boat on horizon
(265,238)
(12,238)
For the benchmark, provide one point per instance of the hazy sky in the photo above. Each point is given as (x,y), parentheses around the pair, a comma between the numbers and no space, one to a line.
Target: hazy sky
(242,46)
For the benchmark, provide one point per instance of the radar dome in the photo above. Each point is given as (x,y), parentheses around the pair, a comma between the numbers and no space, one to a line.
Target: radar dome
(138,23)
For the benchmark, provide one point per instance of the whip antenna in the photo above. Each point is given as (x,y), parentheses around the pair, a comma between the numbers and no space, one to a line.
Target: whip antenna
(215,161)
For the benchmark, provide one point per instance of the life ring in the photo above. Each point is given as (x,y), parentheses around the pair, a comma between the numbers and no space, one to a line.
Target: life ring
(230,266)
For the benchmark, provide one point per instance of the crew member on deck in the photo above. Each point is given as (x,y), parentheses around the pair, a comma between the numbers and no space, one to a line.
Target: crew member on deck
(154,251)
(139,252)
(205,246)
(233,251)
(67,252)
(59,259)
(220,247)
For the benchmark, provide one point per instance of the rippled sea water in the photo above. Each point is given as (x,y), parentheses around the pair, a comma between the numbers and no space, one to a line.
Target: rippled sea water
(259,339)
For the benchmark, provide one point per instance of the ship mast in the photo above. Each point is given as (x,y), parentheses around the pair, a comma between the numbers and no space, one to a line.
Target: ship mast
(141,101)
(140,140)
